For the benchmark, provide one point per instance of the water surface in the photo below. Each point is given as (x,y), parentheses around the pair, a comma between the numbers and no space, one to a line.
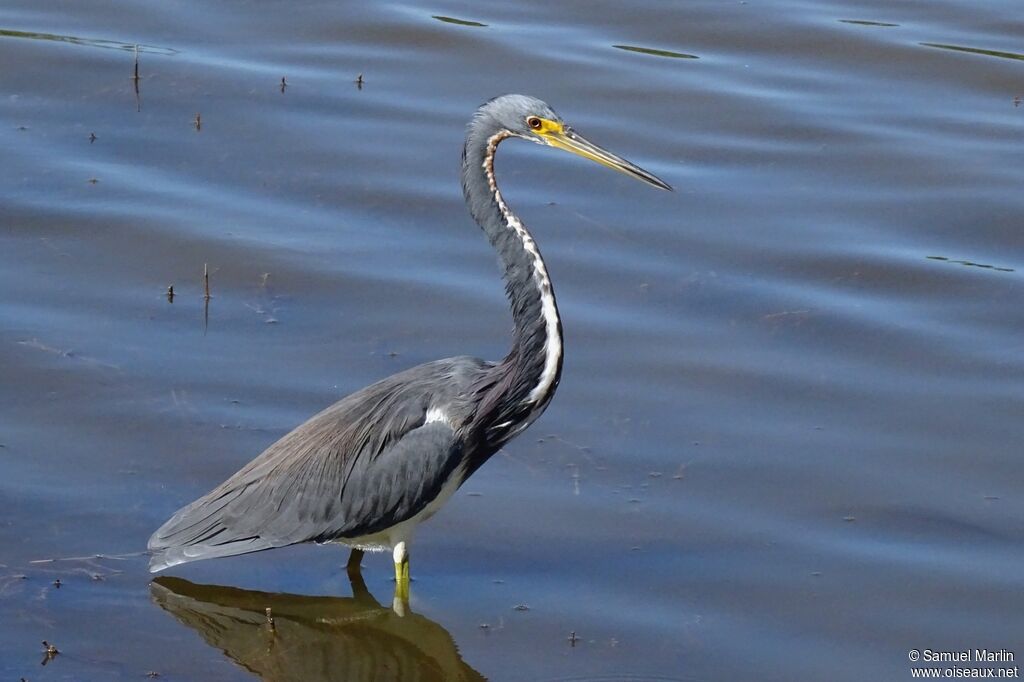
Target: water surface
(787,442)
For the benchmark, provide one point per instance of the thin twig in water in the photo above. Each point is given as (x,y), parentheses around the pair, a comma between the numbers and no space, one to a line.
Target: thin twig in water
(206,298)
(138,100)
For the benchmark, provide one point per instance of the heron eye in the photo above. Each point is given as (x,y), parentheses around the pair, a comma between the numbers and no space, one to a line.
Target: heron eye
(534,122)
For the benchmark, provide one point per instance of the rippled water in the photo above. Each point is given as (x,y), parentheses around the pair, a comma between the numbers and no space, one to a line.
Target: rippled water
(787,443)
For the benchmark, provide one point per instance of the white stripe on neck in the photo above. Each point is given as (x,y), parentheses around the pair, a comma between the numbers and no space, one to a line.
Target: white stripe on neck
(553,339)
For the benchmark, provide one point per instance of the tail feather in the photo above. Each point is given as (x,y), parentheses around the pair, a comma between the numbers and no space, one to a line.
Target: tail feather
(180,554)
(202,531)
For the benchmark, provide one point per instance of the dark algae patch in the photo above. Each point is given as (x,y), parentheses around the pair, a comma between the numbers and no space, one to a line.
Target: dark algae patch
(866,22)
(655,52)
(87,42)
(976,50)
(972,264)
(457,22)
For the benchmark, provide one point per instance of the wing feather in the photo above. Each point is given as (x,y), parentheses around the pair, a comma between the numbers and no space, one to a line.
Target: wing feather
(362,465)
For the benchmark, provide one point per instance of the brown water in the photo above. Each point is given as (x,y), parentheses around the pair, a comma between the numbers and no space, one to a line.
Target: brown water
(788,439)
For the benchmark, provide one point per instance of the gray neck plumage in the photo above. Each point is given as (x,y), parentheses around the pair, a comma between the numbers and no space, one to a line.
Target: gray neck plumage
(526,379)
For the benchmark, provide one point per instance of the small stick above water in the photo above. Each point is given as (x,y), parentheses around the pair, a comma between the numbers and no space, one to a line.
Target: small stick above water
(135,81)
(50,653)
(206,281)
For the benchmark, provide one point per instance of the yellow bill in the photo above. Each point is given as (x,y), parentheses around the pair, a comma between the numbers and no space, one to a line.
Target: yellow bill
(563,137)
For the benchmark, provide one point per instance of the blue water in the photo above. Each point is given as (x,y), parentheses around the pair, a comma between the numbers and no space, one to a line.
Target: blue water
(787,441)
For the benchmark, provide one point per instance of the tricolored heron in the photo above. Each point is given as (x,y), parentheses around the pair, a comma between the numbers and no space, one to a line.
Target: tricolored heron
(368,469)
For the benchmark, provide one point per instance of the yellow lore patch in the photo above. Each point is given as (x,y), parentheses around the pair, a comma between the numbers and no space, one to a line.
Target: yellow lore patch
(549,127)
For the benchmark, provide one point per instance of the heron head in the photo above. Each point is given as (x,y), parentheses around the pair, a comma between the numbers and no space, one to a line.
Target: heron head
(532,119)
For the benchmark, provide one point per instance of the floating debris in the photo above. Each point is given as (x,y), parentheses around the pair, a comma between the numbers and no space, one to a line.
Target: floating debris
(458,22)
(866,22)
(89,42)
(135,82)
(656,53)
(972,264)
(50,653)
(976,50)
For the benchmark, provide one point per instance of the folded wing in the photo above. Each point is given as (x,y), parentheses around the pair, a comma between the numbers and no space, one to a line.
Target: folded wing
(362,465)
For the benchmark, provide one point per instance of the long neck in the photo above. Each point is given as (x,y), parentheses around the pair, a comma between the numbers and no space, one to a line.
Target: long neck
(531,371)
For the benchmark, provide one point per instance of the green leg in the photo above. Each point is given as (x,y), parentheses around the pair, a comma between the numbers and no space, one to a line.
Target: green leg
(401,573)
(402,579)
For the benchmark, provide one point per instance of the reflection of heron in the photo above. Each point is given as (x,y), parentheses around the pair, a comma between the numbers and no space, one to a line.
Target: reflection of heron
(368,469)
(315,638)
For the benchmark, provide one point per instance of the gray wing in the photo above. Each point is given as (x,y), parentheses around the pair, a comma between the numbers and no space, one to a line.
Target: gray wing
(362,465)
